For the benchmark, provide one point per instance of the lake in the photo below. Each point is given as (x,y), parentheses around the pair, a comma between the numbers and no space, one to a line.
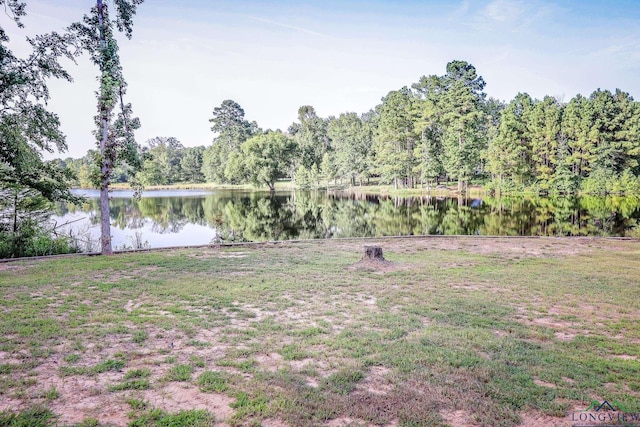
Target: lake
(184,217)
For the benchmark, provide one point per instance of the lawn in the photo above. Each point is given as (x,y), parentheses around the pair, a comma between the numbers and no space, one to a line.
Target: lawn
(461,331)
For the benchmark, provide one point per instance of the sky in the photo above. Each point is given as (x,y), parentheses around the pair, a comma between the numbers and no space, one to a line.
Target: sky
(272,57)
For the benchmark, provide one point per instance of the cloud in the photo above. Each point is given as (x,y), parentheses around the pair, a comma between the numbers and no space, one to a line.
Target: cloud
(292,27)
(459,12)
(505,11)
(619,53)
(513,15)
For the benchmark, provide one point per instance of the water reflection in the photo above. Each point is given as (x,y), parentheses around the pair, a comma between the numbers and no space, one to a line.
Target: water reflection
(257,216)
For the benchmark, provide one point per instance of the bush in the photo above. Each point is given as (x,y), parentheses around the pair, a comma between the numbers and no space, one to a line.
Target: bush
(31,239)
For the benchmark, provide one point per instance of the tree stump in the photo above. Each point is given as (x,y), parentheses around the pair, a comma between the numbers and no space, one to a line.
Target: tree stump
(373,253)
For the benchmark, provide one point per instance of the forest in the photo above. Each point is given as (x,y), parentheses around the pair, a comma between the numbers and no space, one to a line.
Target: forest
(440,129)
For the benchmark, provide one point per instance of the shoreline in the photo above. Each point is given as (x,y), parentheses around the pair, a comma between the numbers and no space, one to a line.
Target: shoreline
(473,191)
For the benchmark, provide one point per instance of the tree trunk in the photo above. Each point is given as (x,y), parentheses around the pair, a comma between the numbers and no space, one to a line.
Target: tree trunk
(373,253)
(105,169)
(15,212)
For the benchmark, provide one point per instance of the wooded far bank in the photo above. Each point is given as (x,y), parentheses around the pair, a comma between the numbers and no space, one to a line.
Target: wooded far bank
(442,128)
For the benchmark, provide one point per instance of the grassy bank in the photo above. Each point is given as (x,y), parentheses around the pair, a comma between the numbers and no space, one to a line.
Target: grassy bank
(449,331)
(374,189)
(280,185)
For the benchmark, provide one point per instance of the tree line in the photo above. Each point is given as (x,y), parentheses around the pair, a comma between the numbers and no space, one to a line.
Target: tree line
(441,128)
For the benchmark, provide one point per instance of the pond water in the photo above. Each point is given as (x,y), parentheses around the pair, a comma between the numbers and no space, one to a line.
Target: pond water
(183,217)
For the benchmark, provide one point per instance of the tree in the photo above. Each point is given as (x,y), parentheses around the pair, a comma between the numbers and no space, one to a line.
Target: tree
(267,156)
(26,127)
(429,124)
(510,153)
(231,130)
(310,133)
(614,131)
(115,137)
(27,183)
(451,122)
(544,130)
(352,140)
(163,160)
(463,140)
(191,164)
(576,124)
(396,138)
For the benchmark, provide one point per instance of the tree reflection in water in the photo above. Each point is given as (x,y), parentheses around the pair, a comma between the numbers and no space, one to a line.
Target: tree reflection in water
(259,216)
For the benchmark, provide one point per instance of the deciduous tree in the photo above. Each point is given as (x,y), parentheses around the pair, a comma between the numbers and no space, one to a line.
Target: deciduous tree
(267,156)
(115,135)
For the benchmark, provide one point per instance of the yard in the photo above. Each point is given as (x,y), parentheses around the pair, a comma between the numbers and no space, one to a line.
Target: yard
(460,331)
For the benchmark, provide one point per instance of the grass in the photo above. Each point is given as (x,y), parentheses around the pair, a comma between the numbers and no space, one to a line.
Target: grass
(497,330)
(212,381)
(159,418)
(180,373)
(33,417)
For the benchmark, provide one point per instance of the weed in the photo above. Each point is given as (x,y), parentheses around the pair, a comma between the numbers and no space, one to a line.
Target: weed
(159,418)
(196,361)
(133,384)
(198,344)
(293,352)
(249,406)
(51,394)
(108,365)
(212,381)
(139,336)
(88,422)
(180,373)
(36,416)
(137,373)
(137,404)
(248,365)
(72,358)
(68,371)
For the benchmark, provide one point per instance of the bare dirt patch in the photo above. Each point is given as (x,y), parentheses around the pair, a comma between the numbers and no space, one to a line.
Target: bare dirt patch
(6,267)
(562,329)
(504,247)
(541,383)
(624,357)
(175,397)
(459,418)
(376,266)
(377,382)
(271,422)
(351,422)
(536,419)
(269,362)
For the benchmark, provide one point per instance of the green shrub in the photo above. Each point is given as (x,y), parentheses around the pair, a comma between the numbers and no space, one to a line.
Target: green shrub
(31,239)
